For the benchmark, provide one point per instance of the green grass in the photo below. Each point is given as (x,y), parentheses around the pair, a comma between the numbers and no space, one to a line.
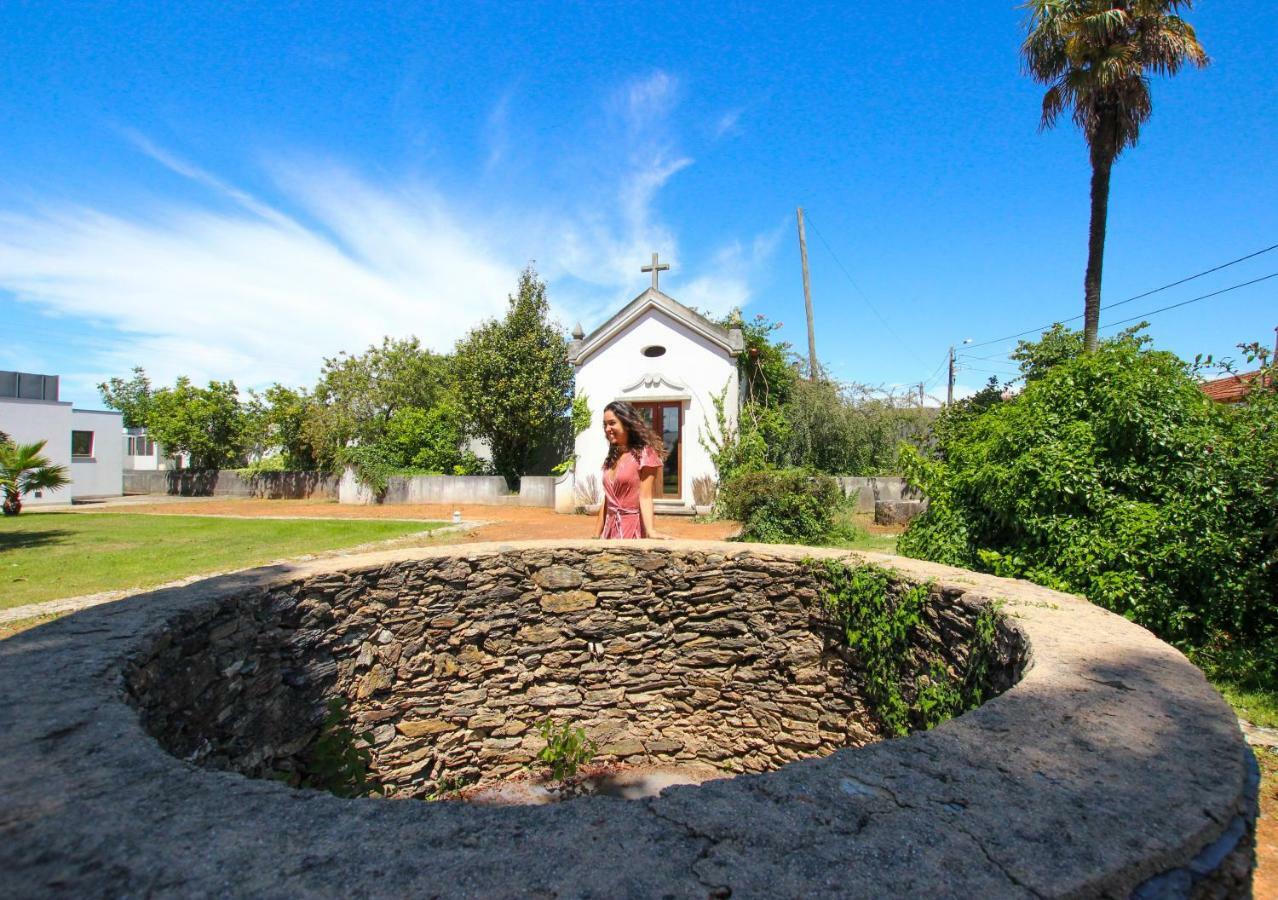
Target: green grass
(1258,707)
(850,533)
(46,556)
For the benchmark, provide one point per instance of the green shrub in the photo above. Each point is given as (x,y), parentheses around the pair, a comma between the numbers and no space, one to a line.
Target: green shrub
(1113,476)
(566,749)
(782,506)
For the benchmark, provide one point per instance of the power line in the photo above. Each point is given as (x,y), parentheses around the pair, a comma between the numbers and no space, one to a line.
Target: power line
(1165,287)
(852,281)
(1193,300)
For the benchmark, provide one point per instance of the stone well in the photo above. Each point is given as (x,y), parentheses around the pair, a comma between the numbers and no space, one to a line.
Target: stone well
(1110,768)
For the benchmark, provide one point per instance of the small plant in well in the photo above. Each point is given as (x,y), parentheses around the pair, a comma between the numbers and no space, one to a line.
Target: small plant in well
(566,750)
(339,760)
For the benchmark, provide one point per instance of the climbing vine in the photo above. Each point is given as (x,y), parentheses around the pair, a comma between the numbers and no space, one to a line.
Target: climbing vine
(880,617)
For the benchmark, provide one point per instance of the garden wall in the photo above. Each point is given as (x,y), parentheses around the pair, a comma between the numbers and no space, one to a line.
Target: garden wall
(230,483)
(483,490)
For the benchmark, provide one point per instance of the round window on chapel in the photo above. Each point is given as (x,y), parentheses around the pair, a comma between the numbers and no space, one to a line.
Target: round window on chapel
(654,350)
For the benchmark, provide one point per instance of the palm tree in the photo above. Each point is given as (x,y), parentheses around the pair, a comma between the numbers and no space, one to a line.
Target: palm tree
(23,469)
(1096,57)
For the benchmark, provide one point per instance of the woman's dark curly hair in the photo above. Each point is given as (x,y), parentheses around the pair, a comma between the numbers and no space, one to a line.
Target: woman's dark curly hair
(638,434)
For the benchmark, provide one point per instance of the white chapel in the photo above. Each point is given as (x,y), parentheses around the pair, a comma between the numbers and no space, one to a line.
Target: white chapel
(669,362)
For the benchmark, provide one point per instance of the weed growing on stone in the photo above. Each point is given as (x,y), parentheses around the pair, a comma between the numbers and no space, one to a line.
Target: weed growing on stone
(566,749)
(880,618)
(339,760)
(449,787)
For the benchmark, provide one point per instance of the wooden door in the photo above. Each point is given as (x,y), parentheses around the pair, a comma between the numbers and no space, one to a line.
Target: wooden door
(666,418)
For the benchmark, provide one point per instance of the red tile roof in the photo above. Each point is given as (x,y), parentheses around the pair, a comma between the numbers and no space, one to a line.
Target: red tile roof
(1230,389)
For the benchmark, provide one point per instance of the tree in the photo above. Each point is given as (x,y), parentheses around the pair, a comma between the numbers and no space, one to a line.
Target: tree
(514,381)
(23,469)
(277,420)
(1096,56)
(357,396)
(132,397)
(206,423)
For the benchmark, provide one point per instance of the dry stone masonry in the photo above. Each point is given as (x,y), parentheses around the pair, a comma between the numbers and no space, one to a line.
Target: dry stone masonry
(1106,767)
(450,665)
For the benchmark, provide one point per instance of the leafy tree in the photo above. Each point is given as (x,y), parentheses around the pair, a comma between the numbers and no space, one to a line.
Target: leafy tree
(278,418)
(131,397)
(357,396)
(1114,476)
(24,469)
(1096,56)
(430,440)
(514,381)
(206,423)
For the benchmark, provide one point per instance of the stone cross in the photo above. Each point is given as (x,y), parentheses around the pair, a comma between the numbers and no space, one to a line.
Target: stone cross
(655,269)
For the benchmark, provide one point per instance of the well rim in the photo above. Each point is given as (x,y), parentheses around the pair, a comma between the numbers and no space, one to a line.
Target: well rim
(947,809)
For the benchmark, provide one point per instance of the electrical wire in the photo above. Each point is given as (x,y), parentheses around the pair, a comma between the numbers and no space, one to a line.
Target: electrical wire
(1041,328)
(1192,300)
(808,218)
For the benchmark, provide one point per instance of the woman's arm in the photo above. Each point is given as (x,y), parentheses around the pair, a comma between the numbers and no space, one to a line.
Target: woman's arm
(647,481)
(599,517)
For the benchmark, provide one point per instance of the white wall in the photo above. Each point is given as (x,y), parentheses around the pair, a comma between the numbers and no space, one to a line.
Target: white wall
(101,475)
(692,370)
(27,421)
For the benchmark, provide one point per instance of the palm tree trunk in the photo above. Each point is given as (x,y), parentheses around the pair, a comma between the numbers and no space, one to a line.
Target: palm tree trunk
(1102,162)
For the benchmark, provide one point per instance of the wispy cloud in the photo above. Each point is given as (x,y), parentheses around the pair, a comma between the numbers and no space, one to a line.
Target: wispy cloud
(262,289)
(727,123)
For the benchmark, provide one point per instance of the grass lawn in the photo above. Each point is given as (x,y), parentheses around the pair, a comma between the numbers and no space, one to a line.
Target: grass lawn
(46,556)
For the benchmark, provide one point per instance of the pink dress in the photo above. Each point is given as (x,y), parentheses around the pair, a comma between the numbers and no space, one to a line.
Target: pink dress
(621,495)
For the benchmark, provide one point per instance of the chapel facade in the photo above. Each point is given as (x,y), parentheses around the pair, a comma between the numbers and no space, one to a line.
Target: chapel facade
(669,361)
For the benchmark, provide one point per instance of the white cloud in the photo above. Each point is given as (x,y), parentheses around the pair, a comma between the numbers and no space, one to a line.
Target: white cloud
(262,290)
(727,123)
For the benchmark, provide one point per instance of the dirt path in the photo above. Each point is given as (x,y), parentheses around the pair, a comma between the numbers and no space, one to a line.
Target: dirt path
(505,523)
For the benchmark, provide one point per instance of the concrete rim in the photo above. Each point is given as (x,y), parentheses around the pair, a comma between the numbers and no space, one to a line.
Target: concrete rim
(1111,762)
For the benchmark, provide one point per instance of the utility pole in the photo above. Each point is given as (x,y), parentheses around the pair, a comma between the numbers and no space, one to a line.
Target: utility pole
(949,390)
(807,300)
(920,395)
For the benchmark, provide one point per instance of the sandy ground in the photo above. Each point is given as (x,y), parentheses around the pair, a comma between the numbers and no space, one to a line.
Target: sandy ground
(504,523)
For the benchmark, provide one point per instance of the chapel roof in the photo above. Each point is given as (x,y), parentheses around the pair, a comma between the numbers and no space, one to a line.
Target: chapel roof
(730,339)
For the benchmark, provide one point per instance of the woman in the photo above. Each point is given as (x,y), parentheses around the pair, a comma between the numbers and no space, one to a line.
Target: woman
(630,474)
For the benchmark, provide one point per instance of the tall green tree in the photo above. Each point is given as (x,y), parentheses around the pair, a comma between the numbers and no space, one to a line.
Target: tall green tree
(23,469)
(131,397)
(357,396)
(1096,57)
(206,423)
(514,381)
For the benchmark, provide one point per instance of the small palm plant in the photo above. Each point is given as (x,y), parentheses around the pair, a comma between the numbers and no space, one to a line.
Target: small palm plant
(23,469)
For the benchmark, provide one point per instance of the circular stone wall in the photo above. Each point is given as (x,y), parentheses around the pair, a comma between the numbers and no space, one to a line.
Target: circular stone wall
(449,665)
(1110,768)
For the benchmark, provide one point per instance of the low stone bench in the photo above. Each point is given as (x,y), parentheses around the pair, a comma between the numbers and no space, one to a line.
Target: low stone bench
(1111,768)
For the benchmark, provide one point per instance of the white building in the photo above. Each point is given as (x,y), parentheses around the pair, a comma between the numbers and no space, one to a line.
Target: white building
(669,362)
(87,442)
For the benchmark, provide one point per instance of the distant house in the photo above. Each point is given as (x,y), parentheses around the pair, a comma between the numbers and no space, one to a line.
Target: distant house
(1235,387)
(669,362)
(86,441)
(142,453)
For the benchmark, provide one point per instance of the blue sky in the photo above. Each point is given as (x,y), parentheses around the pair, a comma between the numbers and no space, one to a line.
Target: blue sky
(237,190)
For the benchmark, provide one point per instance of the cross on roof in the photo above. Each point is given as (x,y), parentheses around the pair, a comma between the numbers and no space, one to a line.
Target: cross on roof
(655,269)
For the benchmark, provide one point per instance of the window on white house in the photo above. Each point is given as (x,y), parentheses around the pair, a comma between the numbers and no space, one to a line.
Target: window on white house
(81,444)
(138,445)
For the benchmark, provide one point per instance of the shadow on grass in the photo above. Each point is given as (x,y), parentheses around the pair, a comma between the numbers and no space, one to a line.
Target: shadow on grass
(25,540)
